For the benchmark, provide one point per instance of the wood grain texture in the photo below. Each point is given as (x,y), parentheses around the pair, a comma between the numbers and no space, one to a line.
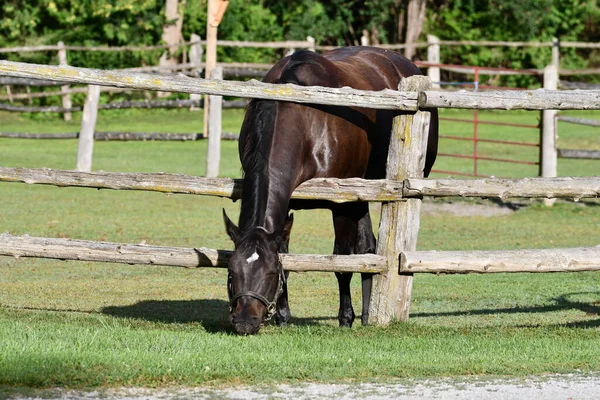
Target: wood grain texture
(385,99)
(399,226)
(561,187)
(500,261)
(83,250)
(513,100)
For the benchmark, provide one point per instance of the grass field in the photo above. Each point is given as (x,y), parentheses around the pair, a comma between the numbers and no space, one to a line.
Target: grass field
(80,324)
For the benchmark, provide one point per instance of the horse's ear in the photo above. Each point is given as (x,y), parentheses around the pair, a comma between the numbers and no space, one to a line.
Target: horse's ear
(232,230)
(283,241)
(287,228)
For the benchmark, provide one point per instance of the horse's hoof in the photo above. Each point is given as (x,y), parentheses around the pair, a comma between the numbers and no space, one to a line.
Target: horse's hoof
(346,323)
(282,320)
(364,320)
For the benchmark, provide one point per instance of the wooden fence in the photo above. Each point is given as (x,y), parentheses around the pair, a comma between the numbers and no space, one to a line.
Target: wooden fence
(401,192)
(579,153)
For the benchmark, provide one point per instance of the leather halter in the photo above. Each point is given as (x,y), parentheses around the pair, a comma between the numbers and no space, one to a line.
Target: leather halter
(269,305)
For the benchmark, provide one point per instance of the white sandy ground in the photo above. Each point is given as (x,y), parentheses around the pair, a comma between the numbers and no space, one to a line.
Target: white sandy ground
(551,387)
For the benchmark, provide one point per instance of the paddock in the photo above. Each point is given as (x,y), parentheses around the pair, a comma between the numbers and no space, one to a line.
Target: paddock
(396,259)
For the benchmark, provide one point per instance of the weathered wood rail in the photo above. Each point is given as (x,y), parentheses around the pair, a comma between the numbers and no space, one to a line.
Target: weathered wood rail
(122,105)
(435,262)
(122,136)
(579,154)
(387,99)
(464,262)
(142,254)
(331,189)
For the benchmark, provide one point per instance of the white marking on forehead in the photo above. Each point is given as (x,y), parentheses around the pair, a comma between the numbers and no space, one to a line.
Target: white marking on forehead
(252,258)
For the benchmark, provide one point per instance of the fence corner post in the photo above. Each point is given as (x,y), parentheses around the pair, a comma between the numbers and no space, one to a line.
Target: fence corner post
(215,104)
(399,226)
(66,98)
(85,146)
(433,57)
(548,134)
(195,55)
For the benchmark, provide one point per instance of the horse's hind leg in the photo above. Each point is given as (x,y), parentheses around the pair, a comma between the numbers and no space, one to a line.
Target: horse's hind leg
(353,235)
(365,243)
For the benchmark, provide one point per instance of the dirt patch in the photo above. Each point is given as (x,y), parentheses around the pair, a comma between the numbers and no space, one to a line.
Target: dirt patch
(468,209)
(462,208)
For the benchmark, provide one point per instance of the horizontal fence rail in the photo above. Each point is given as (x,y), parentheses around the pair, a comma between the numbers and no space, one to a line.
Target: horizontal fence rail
(298,44)
(122,136)
(538,99)
(544,260)
(83,250)
(221,43)
(562,187)
(330,189)
(385,99)
(579,154)
(483,261)
(579,121)
(123,105)
(336,190)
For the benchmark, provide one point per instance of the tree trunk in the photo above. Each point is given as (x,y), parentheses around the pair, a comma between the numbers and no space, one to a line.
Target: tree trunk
(171,36)
(415,16)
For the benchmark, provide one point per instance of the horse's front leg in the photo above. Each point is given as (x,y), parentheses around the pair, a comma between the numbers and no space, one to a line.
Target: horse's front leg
(346,312)
(282,311)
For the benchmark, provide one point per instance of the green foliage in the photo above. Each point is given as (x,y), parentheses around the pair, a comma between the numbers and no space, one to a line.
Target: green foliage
(513,20)
(334,22)
(87,23)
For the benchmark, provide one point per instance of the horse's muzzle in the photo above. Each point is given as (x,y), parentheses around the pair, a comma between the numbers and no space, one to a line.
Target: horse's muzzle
(249,326)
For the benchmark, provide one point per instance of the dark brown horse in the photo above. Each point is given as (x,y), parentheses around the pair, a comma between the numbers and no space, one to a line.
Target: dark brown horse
(283,144)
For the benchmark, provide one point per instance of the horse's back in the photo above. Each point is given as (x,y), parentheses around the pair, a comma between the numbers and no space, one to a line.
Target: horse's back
(364,68)
(332,141)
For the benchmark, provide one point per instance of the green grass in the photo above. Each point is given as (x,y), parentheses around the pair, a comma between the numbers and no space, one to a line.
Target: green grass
(80,324)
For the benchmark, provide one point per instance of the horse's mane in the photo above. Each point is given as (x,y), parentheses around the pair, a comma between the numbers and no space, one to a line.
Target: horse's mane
(304,68)
(255,148)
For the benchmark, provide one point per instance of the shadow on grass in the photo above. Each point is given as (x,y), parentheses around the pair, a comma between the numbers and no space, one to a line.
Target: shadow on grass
(564,302)
(212,314)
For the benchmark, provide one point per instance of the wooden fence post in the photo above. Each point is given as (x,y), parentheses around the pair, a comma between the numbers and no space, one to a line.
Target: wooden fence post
(311,43)
(85,147)
(215,11)
(399,226)
(548,152)
(66,98)
(556,52)
(433,57)
(213,155)
(364,39)
(196,62)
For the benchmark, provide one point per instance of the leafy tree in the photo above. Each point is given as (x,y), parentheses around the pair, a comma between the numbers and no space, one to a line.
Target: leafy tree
(100,22)
(509,20)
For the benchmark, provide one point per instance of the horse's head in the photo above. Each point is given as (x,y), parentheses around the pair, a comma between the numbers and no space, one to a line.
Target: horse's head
(256,278)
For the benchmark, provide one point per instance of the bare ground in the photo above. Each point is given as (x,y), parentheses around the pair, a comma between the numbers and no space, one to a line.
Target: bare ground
(572,386)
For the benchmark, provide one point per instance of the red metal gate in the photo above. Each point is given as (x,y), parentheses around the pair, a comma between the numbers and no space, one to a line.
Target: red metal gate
(476,121)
